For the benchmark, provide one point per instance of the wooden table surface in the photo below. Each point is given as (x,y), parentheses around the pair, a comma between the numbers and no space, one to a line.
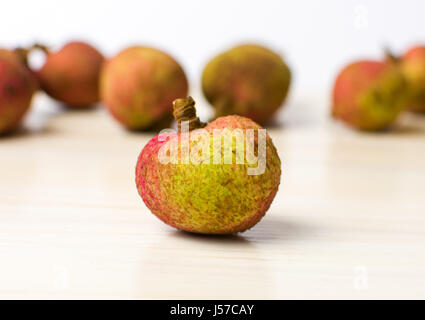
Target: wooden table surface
(348,220)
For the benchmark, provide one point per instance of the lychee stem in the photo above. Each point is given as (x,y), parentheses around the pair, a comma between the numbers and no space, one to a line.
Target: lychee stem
(390,56)
(184,111)
(23,53)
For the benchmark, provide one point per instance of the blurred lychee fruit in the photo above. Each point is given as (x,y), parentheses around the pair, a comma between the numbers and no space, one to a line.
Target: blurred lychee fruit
(17,86)
(202,179)
(369,95)
(248,80)
(71,75)
(413,67)
(139,85)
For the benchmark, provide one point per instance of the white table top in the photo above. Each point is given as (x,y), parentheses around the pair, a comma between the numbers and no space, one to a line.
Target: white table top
(348,220)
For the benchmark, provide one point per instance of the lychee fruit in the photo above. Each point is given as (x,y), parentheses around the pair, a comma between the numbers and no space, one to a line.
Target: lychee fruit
(218,178)
(17,87)
(369,95)
(413,68)
(248,80)
(71,75)
(139,85)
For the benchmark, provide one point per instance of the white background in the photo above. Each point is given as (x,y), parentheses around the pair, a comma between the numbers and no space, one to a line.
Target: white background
(350,206)
(316,37)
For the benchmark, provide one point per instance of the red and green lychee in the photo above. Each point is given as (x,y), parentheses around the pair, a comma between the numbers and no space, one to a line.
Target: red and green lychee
(139,85)
(71,75)
(17,87)
(248,80)
(199,190)
(369,95)
(413,67)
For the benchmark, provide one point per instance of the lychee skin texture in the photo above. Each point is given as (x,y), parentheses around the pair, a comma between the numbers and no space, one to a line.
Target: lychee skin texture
(413,67)
(71,75)
(17,86)
(207,198)
(369,95)
(139,85)
(248,80)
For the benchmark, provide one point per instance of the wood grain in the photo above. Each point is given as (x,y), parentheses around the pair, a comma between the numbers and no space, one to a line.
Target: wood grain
(348,220)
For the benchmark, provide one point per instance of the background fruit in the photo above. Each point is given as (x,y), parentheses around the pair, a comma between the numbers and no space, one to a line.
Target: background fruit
(139,85)
(248,80)
(17,86)
(71,75)
(413,66)
(207,198)
(368,95)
